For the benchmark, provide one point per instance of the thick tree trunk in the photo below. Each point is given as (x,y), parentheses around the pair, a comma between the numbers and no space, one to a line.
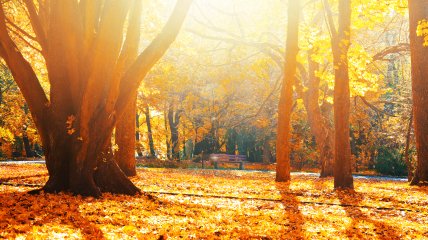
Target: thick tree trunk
(342,152)
(286,98)
(418,10)
(125,139)
(85,171)
(149,132)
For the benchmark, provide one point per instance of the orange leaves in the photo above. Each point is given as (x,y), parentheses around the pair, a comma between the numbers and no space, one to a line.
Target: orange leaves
(209,204)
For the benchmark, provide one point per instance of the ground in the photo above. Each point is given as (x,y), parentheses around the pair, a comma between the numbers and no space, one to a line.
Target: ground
(214,204)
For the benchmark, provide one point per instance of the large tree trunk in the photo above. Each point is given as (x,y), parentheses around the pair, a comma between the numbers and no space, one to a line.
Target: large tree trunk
(125,139)
(286,98)
(92,73)
(149,132)
(418,10)
(342,149)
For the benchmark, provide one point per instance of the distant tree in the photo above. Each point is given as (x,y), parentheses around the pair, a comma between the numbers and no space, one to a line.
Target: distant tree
(286,97)
(418,13)
(86,54)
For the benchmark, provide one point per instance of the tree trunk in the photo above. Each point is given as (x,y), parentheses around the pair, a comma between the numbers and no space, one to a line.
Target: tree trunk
(137,135)
(149,132)
(87,171)
(418,10)
(342,152)
(320,127)
(167,138)
(286,98)
(174,120)
(125,139)
(28,152)
(266,151)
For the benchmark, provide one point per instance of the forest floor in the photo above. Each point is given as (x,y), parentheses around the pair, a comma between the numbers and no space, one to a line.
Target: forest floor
(213,204)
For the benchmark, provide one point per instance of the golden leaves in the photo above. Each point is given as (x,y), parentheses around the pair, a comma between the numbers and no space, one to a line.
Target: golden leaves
(209,204)
(422,31)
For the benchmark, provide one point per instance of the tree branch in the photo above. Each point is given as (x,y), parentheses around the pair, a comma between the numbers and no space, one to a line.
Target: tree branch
(147,59)
(23,74)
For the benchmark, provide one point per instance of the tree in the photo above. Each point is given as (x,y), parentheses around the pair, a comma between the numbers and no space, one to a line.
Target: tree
(286,97)
(418,13)
(89,86)
(149,131)
(320,127)
(340,41)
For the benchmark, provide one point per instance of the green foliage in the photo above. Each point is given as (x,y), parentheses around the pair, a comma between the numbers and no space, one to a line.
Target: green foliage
(389,161)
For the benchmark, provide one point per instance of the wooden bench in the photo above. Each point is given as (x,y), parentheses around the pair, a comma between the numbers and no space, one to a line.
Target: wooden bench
(228,158)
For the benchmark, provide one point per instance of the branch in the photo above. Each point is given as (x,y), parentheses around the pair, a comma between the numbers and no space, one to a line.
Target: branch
(401,47)
(147,59)
(35,23)
(373,107)
(329,20)
(24,40)
(23,74)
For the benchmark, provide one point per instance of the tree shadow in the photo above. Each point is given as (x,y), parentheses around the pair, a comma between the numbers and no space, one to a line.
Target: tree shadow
(293,229)
(20,213)
(382,230)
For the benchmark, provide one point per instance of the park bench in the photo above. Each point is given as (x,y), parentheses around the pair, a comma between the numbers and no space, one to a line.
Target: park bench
(228,158)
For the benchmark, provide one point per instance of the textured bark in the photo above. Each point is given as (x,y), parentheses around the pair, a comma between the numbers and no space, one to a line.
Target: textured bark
(89,86)
(340,45)
(149,132)
(125,139)
(286,98)
(418,10)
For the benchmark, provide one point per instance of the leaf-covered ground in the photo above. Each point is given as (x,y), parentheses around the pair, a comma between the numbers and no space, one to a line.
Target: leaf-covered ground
(214,204)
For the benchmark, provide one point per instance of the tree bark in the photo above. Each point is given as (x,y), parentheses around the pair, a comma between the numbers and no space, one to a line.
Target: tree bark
(125,139)
(340,42)
(286,98)
(418,10)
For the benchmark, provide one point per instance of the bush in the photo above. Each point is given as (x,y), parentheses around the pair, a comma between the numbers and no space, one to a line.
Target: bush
(389,161)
